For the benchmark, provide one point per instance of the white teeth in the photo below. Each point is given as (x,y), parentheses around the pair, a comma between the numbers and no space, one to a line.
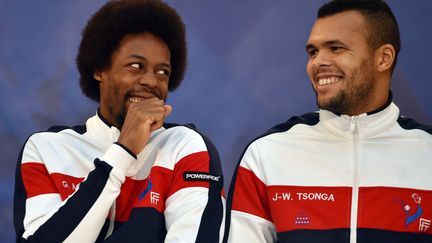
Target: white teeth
(135,99)
(324,81)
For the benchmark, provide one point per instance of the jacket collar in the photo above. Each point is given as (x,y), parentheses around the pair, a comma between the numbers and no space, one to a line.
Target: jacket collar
(101,132)
(366,124)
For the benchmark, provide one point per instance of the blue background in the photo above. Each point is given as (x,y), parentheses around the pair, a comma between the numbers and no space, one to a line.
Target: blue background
(246,72)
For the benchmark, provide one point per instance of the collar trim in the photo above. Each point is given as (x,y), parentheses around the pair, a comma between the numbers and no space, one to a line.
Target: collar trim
(105,121)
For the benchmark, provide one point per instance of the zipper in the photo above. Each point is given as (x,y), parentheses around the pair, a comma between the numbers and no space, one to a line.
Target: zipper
(355,187)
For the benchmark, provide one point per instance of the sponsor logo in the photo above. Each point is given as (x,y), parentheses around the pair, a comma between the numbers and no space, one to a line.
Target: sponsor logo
(200,176)
(154,198)
(146,190)
(304,196)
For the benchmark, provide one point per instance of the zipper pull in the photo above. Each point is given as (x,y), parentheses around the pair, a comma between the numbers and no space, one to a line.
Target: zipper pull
(353,124)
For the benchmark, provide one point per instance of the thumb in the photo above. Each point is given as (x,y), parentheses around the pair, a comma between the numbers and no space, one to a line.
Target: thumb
(168,110)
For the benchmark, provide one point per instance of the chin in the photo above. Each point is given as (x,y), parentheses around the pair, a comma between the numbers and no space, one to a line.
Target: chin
(336,104)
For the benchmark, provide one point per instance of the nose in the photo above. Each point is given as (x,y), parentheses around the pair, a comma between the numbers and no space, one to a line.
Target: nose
(148,79)
(321,59)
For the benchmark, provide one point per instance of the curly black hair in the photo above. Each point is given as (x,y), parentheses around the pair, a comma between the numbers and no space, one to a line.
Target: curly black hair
(116,19)
(382,24)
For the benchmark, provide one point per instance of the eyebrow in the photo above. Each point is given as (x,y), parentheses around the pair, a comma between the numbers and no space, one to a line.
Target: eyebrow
(145,59)
(327,43)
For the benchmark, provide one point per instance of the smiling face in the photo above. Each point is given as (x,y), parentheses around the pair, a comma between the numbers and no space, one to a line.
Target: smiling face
(140,69)
(341,65)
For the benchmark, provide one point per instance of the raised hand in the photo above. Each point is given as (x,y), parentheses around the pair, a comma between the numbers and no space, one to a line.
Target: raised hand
(143,116)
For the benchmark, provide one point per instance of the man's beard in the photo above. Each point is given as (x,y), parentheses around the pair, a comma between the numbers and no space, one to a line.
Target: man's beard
(121,116)
(337,104)
(355,95)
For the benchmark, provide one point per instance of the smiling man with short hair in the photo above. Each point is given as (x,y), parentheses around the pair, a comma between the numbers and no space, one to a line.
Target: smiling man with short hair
(356,171)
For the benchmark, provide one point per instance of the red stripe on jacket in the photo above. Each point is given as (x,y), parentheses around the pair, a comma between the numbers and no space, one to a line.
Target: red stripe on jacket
(246,200)
(36,179)
(397,209)
(309,207)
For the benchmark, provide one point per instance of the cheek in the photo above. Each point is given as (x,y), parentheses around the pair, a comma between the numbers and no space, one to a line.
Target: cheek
(347,64)
(164,89)
(309,70)
(116,90)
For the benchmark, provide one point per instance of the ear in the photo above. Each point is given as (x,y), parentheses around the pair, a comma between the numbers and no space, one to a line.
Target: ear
(99,76)
(384,57)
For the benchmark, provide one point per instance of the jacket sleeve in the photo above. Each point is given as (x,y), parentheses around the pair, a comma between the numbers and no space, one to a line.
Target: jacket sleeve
(249,215)
(195,208)
(185,203)
(40,214)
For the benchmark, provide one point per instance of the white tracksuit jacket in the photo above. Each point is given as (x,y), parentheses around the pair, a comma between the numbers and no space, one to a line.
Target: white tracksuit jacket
(77,185)
(324,178)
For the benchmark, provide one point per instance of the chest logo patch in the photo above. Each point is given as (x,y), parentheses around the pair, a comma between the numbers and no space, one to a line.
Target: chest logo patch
(146,190)
(414,211)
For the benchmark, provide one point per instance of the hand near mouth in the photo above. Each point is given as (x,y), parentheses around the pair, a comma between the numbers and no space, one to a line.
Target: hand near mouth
(143,117)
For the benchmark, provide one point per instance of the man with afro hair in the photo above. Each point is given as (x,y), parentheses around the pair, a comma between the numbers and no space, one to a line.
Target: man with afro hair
(125,175)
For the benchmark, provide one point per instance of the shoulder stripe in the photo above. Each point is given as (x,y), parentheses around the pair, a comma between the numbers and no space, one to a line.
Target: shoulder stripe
(81,129)
(409,124)
(310,119)
(188,125)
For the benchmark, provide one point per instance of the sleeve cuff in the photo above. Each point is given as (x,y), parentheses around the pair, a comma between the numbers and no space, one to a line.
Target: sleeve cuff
(119,158)
(127,150)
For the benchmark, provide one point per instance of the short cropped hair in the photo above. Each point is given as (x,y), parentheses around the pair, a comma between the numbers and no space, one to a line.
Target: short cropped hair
(382,25)
(116,19)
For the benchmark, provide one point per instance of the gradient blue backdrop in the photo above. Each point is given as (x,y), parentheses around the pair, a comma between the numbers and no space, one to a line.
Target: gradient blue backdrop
(246,72)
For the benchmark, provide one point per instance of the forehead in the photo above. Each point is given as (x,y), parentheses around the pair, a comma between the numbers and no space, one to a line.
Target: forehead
(348,27)
(143,44)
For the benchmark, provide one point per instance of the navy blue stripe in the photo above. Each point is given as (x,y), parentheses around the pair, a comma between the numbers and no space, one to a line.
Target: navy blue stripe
(104,231)
(66,219)
(408,123)
(384,236)
(314,236)
(211,219)
(310,119)
(81,129)
(343,236)
(151,227)
(20,196)
(170,125)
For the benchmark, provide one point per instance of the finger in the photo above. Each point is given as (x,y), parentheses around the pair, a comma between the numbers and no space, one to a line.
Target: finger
(150,121)
(156,125)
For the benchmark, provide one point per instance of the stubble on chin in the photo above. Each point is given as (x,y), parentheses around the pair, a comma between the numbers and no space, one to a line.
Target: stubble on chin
(337,104)
(121,116)
(349,102)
